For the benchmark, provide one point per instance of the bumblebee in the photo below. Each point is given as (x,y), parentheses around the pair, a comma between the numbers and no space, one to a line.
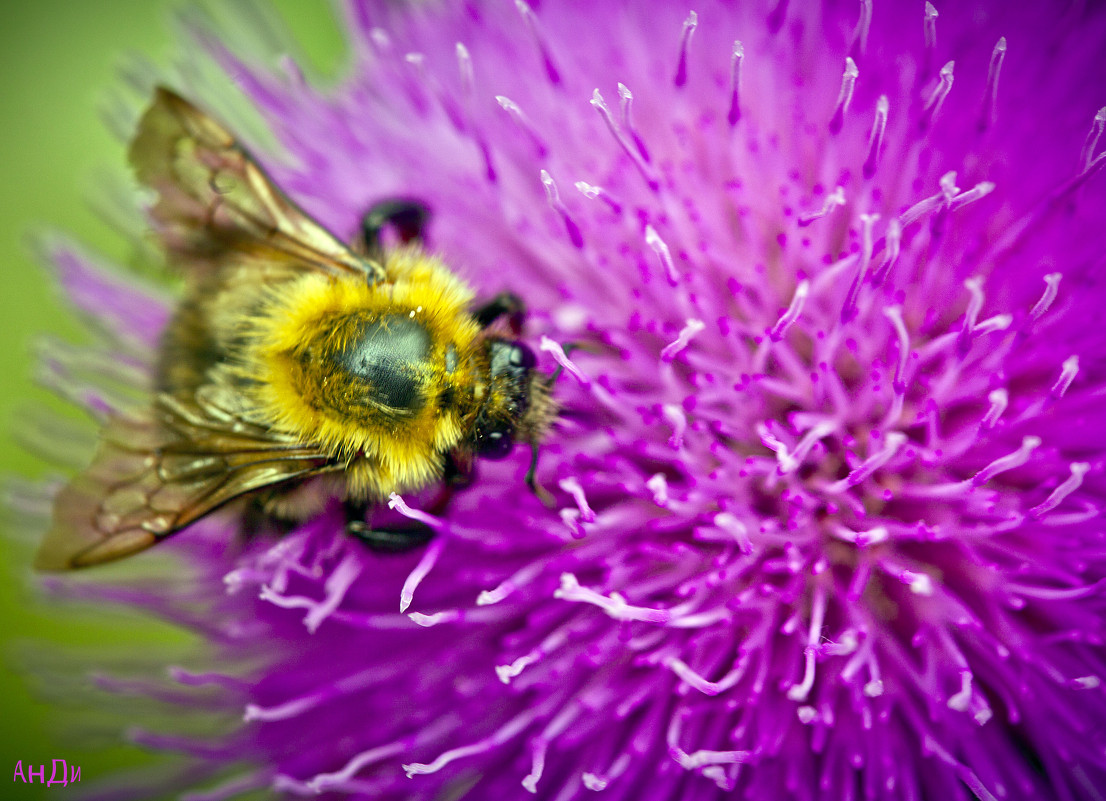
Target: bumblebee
(296,369)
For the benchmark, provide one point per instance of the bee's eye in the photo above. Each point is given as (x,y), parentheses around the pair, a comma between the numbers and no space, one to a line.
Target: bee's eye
(495,444)
(522,356)
(511,360)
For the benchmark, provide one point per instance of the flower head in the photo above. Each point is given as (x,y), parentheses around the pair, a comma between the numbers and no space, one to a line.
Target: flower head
(828,473)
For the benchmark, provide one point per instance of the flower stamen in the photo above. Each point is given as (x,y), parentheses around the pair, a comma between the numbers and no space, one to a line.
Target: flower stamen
(420,571)
(1068,372)
(519,117)
(736,58)
(850,310)
(998,398)
(844,96)
(892,442)
(1091,143)
(1070,485)
(863,25)
(690,24)
(875,138)
(626,101)
(592,192)
(937,98)
(687,333)
(643,167)
(892,247)
(1009,462)
(929,31)
(531,21)
(1052,288)
(554,199)
(503,734)
(989,107)
(833,200)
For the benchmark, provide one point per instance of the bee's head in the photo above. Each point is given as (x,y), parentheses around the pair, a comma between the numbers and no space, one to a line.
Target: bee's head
(518,406)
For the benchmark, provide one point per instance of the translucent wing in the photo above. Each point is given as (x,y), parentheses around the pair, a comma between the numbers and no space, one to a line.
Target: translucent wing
(214,202)
(157,472)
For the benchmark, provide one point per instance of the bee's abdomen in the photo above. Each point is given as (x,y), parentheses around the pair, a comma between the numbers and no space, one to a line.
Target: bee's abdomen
(388,360)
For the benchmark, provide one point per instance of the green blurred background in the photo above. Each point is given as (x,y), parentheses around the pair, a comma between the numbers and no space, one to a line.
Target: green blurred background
(58,61)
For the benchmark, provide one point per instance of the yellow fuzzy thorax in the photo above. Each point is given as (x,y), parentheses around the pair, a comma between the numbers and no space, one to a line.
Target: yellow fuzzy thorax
(383,451)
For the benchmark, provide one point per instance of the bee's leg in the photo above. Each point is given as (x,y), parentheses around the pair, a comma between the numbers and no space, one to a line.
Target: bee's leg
(505,304)
(459,472)
(254,519)
(405,216)
(384,539)
(542,494)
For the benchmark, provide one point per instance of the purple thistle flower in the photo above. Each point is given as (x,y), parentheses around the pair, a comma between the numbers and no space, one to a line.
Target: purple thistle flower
(830,465)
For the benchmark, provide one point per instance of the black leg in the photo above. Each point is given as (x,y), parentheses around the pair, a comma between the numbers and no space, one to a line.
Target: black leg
(384,539)
(542,494)
(459,472)
(408,217)
(505,304)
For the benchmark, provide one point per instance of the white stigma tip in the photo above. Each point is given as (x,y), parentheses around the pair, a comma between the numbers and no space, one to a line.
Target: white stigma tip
(660,247)
(919,583)
(464,66)
(794,310)
(658,485)
(1068,372)
(990,95)
(860,35)
(874,688)
(937,98)
(1052,288)
(727,522)
(844,96)
(1091,143)
(1016,459)
(420,571)
(999,399)
(1073,482)
(551,193)
(631,148)
(687,333)
(736,57)
(593,782)
(929,28)
(587,190)
(678,420)
(690,24)
(980,190)
(875,137)
(835,199)
(963,697)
